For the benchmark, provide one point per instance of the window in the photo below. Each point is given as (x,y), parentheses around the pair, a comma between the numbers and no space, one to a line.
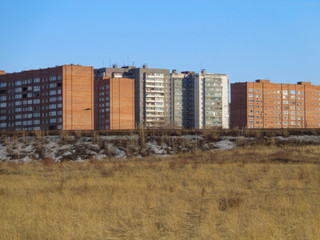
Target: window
(2,105)
(292,92)
(53,120)
(53,92)
(53,113)
(18,83)
(3,84)
(36,80)
(52,78)
(52,106)
(3,98)
(52,85)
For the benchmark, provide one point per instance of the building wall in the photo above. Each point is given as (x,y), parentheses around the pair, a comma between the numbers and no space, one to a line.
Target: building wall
(152,86)
(182,100)
(211,99)
(78,97)
(198,101)
(38,99)
(122,103)
(238,106)
(262,104)
(114,103)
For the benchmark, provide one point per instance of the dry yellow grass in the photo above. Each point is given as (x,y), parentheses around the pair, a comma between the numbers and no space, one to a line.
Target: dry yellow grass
(249,193)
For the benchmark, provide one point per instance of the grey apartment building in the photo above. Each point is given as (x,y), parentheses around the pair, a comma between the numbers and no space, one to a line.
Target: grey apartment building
(152,93)
(182,99)
(199,100)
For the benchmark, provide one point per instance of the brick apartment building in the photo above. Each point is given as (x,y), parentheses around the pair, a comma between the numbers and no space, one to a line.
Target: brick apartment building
(114,103)
(53,98)
(262,104)
(152,93)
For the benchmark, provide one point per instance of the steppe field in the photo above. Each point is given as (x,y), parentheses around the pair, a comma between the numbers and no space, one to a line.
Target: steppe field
(250,192)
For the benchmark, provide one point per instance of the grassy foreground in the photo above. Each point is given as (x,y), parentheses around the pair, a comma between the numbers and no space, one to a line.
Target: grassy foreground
(247,193)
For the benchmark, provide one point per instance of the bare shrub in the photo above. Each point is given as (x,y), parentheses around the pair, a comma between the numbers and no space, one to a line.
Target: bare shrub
(229,202)
(107,172)
(281,156)
(48,162)
(265,168)
(181,162)
(97,164)
(302,174)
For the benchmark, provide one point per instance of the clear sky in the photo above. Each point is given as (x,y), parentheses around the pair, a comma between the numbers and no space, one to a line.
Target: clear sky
(269,39)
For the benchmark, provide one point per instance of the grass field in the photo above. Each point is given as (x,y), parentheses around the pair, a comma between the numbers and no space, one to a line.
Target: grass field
(245,193)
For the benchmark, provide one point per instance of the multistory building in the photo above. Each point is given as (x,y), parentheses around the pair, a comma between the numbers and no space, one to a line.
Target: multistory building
(211,105)
(114,103)
(200,100)
(152,93)
(182,100)
(46,99)
(262,104)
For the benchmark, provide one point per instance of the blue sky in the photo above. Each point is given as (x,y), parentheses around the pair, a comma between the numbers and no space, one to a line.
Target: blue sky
(270,39)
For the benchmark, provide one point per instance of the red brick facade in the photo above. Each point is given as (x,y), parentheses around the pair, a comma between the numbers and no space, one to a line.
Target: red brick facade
(262,104)
(114,103)
(47,99)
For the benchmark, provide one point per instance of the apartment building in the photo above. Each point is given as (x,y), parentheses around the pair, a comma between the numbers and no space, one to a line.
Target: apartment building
(114,103)
(262,104)
(182,100)
(46,99)
(200,100)
(211,105)
(152,93)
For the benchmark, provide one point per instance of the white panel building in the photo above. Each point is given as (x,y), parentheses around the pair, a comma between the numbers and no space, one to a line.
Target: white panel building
(211,100)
